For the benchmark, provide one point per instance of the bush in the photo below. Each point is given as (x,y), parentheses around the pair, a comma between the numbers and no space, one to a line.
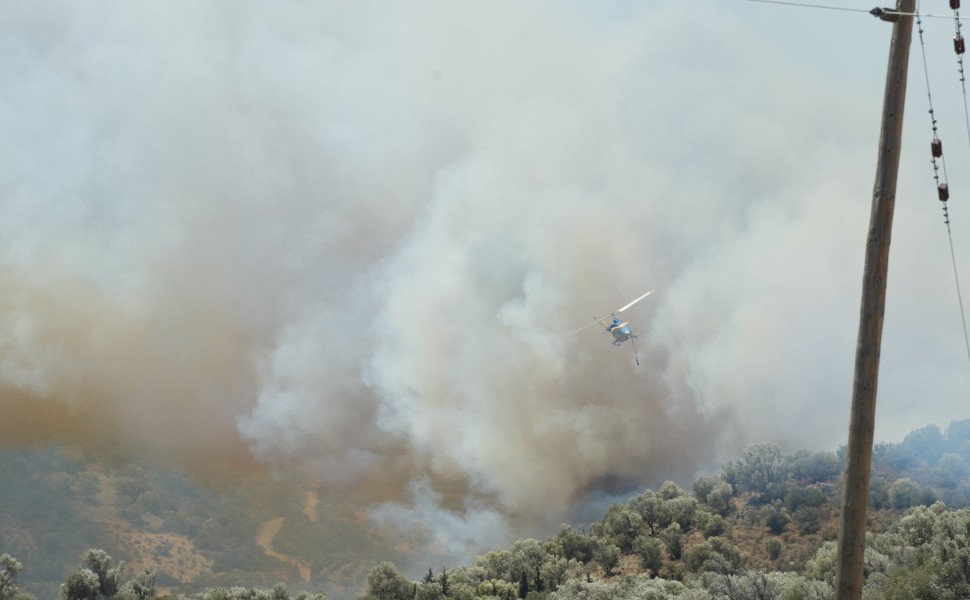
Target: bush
(905,493)
(774,517)
(773,547)
(879,492)
(716,554)
(808,519)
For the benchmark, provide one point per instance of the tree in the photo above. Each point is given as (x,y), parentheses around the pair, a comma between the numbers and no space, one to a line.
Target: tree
(652,509)
(570,544)
(774,517)
(428,591)
(81,584)
(608,556)
(470,575)
(523,585)
(682,510)
(498,564)
(760,470)
(951,470)
(670,490)
(747,585)
(715,554)
(497,588)
(443,580)
(702,486)
(709,523)
(143,585)
(904,493)
(280,593)
(924,445)
(99,563)
(619,526)
(805,504)
(719,498)
(240,593)
(650,550)
(773,546)
(912,583)
(813,467)
(673,537)
(878,492)
(384,582)
(957,433)
(527,554)
(9,567)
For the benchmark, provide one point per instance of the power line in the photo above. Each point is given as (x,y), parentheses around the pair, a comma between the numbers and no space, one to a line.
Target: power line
(958,47)
(956,278)
(886,14)
(936,147)
(811,5)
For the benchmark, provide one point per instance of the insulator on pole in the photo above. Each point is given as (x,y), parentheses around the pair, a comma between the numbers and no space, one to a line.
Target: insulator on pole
(958,44)
(944,192)
(885,14)
(955,4)
(936,146)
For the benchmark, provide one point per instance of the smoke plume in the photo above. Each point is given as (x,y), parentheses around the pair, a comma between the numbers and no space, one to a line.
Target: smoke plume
(353,239)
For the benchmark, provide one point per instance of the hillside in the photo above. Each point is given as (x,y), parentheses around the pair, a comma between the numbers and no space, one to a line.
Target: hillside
(763,529)
(57,504)
(765,512)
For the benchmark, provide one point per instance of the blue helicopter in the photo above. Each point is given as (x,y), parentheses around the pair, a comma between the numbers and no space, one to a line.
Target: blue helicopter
(620,330)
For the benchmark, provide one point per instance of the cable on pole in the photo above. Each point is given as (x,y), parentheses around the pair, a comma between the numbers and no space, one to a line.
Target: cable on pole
(886,14)
(959,47)
(936,151)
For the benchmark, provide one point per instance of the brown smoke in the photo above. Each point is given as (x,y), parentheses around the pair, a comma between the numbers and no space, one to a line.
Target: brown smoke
(353,242)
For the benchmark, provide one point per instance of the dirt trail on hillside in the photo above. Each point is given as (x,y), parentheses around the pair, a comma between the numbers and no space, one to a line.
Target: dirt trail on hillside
(310,501)
(265,540)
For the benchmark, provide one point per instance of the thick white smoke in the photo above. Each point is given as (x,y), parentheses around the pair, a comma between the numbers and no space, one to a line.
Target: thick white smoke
(353,239)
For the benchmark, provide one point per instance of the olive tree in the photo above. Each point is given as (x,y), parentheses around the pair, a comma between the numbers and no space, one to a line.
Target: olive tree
(650,550)
(761,471)
(620,526)
(81,584)
(9,567)
(109,578)
(385,582)
(608,556)
(143,584)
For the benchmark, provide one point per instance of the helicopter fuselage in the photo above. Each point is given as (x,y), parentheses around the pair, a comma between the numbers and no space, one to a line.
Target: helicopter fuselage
(621,331)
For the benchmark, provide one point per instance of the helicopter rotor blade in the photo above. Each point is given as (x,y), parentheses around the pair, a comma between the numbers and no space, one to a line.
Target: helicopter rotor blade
(634,302)
(595,322)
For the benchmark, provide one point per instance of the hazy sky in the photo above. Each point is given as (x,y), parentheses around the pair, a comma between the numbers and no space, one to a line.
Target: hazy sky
(354,239)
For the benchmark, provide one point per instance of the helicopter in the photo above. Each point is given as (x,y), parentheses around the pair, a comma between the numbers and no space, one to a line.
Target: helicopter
(620,330)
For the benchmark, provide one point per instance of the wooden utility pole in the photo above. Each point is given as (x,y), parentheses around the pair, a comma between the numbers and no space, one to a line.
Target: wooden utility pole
(855,491)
